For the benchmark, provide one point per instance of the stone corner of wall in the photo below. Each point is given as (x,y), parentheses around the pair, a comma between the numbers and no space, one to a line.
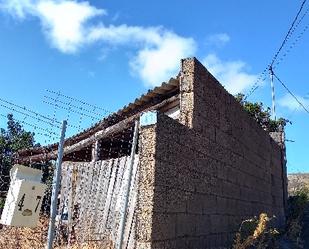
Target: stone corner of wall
(278,137)
(191,64)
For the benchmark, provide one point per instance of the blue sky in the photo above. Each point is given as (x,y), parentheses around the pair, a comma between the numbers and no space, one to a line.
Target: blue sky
(110,52)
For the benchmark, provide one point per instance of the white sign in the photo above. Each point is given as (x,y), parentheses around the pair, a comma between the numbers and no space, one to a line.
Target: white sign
(24,199)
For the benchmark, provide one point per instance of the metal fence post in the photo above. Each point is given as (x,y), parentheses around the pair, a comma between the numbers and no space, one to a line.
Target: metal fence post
(125,207)
(55,191)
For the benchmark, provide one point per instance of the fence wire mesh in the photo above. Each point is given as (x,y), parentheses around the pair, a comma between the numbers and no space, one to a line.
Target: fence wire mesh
(93,183)
(91,199)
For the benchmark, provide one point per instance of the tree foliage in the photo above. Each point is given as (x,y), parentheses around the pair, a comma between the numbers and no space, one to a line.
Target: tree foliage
(262,115)
(12,139)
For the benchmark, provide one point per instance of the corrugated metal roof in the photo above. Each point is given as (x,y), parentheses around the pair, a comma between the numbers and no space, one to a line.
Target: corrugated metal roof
(152,97)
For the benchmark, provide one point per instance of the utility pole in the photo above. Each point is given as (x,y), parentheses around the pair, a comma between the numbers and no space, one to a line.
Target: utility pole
(273,102)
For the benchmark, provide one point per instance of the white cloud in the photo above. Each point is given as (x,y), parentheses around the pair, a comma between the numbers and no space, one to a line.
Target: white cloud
(18,8)
(65,22)
(290,103)
(232,74)
(219,39)
(68,27)
(158,63)
(160,50)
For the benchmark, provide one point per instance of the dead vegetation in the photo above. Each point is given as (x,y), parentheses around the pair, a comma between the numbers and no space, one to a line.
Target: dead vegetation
(260,233)
(256,233)
(27,238)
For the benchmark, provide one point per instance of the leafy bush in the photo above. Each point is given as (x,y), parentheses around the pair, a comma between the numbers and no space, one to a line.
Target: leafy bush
(261,115)
(296,207)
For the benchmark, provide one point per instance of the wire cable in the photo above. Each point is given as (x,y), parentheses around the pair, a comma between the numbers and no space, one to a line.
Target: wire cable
(288,33)
(291,93)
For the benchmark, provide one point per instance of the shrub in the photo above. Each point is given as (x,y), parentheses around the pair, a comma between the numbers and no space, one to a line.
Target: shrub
(256,233)
(296,207)
(261,114)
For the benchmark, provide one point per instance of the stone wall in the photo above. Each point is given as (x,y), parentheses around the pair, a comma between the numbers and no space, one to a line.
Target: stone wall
(200,177)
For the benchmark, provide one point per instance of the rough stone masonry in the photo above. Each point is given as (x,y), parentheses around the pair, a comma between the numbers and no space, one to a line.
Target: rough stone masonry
(201,176)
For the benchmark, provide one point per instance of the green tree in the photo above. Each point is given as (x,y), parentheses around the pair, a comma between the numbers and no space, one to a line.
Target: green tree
(261,114)
(12,139)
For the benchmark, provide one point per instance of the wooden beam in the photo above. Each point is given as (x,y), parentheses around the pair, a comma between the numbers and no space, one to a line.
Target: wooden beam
(107,132)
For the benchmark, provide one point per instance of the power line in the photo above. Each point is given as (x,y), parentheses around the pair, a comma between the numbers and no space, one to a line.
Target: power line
(291,93)
(290,31)
(289,34)
(291,46)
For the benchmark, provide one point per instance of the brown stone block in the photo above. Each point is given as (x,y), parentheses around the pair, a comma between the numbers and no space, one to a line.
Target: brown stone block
(230,190)
(203,225)
(143,245)
(217,223)
(163,226)
(223,171)
(216,186)
(195,204)
(196,243)
(206,165)
(222,138)
(186,225)
(176,200)
(143,225)
(182,243)
(209,203)
(167,244)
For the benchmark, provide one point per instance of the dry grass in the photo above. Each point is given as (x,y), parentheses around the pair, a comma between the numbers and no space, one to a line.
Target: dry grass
(36,238)
(255,233)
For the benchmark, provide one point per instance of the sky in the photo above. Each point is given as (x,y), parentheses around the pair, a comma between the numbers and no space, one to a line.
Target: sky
(107,53)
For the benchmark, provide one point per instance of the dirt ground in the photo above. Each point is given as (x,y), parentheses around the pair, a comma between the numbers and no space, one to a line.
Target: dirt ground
(36,238)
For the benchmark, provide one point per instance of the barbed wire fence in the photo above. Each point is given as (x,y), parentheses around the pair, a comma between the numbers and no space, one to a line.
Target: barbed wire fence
(96,181)
(28,123)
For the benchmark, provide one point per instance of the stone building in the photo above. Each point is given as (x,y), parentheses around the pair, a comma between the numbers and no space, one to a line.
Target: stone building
(204,164)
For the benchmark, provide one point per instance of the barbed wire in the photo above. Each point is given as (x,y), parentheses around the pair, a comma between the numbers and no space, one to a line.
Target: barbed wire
(80,101)
(28,111)
(32,125)
(80,108)
(77,111)
(29,116)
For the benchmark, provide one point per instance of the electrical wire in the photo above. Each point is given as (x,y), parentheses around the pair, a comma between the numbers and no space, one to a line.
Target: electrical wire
(291,93)
(289,34)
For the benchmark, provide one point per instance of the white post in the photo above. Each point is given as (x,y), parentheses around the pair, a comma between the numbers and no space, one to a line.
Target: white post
(95,151)
(273,103)
(55,191)
(125,207)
